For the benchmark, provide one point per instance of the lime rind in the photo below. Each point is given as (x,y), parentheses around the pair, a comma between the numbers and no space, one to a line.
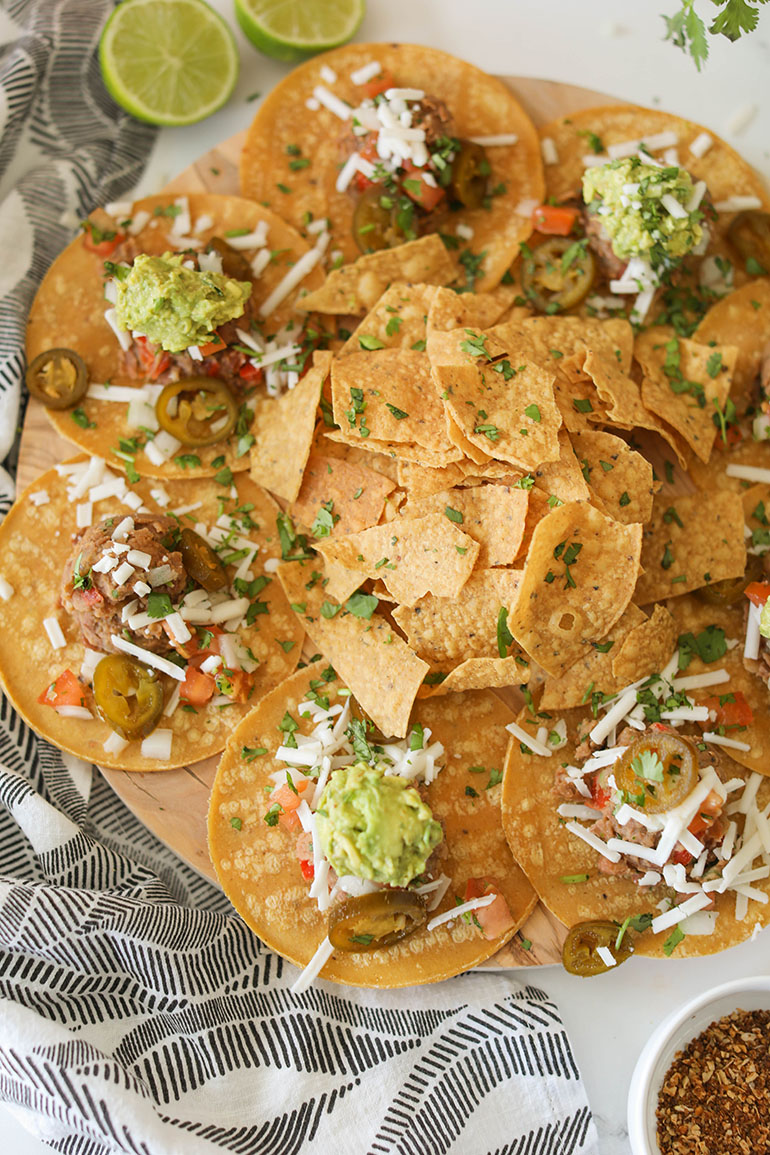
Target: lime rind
(162,82)
(281,39)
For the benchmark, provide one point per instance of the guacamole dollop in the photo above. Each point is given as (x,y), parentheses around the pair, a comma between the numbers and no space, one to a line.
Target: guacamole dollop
(176,307)
(375,826)
(628,195)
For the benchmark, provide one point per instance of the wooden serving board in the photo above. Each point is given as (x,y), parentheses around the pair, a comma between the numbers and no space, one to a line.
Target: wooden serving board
(173,804)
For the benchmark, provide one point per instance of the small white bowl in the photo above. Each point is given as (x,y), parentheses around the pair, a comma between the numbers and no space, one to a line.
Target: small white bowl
(673,1034)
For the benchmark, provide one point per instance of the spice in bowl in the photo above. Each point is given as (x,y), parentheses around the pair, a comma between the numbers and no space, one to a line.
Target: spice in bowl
(716,1093)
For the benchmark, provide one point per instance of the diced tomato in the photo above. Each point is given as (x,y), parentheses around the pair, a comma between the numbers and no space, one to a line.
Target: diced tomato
(193,650)
(197,687)
(154,361)
(304,847)
(553,220)
(289,821)
(285,796)
(708,812)
(660,726)
(216,345)
(368,152)
(103,248)
(308,870)
(681,857)
(496,918)
(758,592)
(90,597)
(427,196)
(600,795)
(733,435)
(65,691)
(735,713)
(249,372)
(378,85)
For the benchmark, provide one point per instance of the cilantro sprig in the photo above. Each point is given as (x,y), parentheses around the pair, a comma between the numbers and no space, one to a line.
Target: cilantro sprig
(688,31)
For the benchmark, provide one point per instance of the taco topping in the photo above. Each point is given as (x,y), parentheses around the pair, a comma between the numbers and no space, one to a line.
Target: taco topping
(373,921)
(131,561)
(128,696)
(407,166)
(595,946)
(58,378)
(646,210)
(175,305)
(373,825)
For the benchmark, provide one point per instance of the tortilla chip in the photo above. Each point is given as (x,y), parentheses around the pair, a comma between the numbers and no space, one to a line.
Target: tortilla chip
(622,398)
(562,479)
(422,480)
(710,369)
(617,474)
(397,320)
(593,671)
(36,542)
(576,395)
(514,419)
(646,649)
(68,312)
(378,666)
(412,556)
(707,546)
(550,854)
(738,320)
(257,864)
(283,432)
(354,495)
(692,616)
(478,674)
(471,452)
(390,392)
(480,105)
(445,630)
(556,338)
(579,577)
(327,446)
(537,509)
(397,450)
(493,515)
(451,310)
(355,288)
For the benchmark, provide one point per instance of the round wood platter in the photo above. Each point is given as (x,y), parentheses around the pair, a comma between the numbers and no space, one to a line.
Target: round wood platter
(173,804)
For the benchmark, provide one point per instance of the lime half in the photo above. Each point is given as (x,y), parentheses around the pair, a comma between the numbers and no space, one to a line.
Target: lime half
(294,29)
(168,61)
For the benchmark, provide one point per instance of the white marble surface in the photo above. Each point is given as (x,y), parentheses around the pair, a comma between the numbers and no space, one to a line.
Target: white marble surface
(616,48)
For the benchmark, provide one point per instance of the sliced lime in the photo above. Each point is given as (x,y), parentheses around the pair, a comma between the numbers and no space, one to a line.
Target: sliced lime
(295,29)
(168,61)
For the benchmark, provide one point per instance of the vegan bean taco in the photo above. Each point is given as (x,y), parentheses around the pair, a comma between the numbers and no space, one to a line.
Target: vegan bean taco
(139,621)
(388,142)
(638,814)
(371,861)
(646,214)
(163,323)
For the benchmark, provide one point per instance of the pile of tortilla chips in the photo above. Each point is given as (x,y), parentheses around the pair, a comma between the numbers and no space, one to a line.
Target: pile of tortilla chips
(477,503)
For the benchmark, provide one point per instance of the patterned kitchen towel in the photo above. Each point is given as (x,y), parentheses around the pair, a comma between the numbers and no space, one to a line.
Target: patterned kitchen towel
(137,1012)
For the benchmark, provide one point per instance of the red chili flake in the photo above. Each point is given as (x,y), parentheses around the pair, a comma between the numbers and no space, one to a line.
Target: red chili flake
(716,1094)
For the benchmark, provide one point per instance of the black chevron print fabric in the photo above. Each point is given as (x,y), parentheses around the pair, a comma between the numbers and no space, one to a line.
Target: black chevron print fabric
(137,1013)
